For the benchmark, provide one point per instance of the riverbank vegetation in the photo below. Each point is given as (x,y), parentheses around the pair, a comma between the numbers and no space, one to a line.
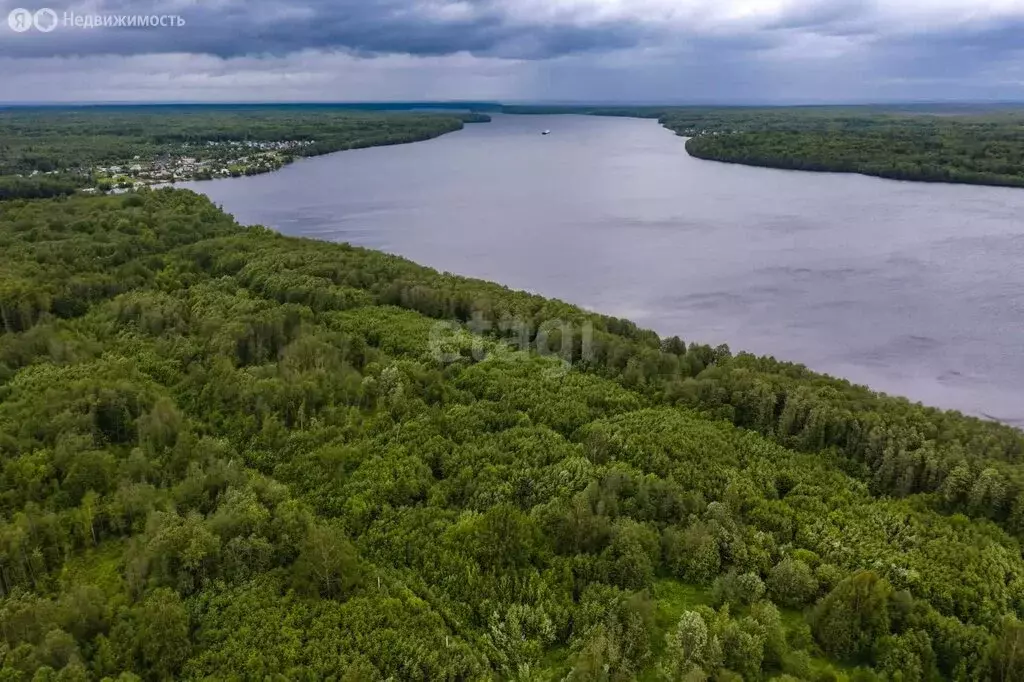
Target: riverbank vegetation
(52,152)
(225,453)
(932,144)
(975,150)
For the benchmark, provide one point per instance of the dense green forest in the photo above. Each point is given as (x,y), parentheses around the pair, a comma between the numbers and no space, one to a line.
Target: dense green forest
(983,151)
(937,144)
(50,152)
(228,454)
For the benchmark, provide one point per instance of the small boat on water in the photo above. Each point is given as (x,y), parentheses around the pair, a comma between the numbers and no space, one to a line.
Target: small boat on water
(546,132)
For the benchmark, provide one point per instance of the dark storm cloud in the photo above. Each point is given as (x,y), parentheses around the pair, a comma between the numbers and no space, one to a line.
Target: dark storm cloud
(367,27)
(517,29)
(1001,37)
(664,50)
(957,60)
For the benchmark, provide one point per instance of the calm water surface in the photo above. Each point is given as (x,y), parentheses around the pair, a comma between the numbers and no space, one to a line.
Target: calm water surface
(913,289)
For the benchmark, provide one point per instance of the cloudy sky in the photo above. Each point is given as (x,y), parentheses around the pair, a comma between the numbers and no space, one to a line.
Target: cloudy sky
(702,51)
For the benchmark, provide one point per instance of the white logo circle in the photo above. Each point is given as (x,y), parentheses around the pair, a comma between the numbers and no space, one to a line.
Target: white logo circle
(20,20)
(45,20)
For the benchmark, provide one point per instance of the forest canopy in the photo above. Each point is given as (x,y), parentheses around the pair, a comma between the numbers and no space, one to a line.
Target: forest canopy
(229,454)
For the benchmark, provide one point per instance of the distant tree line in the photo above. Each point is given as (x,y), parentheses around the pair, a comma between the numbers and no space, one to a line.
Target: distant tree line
(958,153)
(36,143)
(974,145)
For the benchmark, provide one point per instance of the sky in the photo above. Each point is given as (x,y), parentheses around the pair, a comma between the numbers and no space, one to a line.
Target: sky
(627,51)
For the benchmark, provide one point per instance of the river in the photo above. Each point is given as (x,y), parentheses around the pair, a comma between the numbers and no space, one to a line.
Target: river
(913,289)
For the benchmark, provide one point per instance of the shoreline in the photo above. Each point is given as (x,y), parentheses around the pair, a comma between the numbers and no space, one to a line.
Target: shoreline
(719,127)
(292,160)
(843,171)
(966,406)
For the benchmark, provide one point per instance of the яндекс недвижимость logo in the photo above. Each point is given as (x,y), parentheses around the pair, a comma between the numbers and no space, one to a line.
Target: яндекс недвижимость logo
(45,20)
(21,20)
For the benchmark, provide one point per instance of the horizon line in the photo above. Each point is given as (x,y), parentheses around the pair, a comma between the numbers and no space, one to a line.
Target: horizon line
(523,102)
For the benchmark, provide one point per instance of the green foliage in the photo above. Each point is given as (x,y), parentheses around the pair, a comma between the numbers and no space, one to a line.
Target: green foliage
(966,149)
(327,565)
(54,152)
(687,647)
(229,454)
(853,616)
(792,583)
(739,589)
(153,636)
(1007,650)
